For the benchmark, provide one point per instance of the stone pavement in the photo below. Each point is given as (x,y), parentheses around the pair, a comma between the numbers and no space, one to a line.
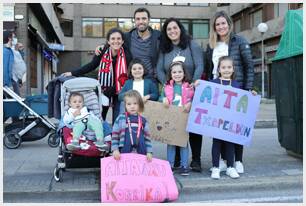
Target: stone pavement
(28,170)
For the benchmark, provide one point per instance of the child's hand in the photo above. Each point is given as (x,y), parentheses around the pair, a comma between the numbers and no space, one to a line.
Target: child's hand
(146,98)
(166,103)
(116,154)
(187,107)
(254,92)
(97,51)
(149,157)
(196,83)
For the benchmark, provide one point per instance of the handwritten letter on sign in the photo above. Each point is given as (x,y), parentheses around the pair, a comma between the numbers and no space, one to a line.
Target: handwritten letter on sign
(223,112)
(167,125)
(134,179)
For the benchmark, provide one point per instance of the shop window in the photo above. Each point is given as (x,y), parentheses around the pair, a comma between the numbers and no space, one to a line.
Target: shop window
(200,29)
(155,24)
(125,24)
(109,23)
(92,27)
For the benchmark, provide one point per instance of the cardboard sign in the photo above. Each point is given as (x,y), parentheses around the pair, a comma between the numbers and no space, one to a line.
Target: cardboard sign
(223,112)
(134,179)
(167,125)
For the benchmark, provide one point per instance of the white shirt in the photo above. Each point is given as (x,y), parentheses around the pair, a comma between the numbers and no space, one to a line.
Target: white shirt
(69,119)
(139,87)
(220,50)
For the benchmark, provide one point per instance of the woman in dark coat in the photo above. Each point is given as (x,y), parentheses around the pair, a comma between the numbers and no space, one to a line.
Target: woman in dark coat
(223,42)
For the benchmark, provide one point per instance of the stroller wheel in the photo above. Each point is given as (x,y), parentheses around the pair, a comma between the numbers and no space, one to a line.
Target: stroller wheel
(58,174)
(53,140)
(12,140)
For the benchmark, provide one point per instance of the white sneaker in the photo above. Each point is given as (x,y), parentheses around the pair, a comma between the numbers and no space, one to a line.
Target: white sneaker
(215,173)
(239,167)
(230,171)
(222,165)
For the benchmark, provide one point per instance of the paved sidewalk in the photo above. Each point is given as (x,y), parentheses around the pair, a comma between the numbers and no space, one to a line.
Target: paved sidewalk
(28,170)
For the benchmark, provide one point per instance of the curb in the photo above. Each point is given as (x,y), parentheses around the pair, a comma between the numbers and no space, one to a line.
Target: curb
(190,186)
(265,124)
(244,183)
(267,101)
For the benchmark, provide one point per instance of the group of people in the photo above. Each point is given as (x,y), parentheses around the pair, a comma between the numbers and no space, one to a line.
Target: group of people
(146,64)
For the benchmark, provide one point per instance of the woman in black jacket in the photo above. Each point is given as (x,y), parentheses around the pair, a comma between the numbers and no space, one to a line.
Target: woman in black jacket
(112,62)
(223,42)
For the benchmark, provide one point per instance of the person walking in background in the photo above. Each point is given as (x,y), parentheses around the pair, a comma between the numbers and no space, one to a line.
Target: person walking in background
(176,44)
(131,130)
(143,41)
(223,42)
(8,58)
(112,63)
(14,67)
(177,91)
(145,86)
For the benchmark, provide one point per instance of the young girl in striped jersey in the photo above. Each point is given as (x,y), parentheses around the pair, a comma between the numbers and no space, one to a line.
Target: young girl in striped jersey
(131,129)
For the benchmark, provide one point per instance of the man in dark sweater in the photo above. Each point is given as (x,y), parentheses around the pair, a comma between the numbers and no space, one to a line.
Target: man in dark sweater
(143,41)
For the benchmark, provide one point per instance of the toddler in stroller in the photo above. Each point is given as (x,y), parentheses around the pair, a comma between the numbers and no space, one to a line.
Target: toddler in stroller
(79,119)
(86,152)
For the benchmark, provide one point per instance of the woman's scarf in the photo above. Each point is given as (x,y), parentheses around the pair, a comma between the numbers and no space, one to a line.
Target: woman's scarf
(106,72)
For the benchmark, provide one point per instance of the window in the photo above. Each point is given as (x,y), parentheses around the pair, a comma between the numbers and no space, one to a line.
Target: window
(92,27)
(280,9)
(199,4)
(109,23)
(155,24)
(237,26)
(186,25)
(200,29)
(67,27)
(256,18)
(125,24)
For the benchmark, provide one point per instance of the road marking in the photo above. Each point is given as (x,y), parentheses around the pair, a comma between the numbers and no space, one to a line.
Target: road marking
(298,198)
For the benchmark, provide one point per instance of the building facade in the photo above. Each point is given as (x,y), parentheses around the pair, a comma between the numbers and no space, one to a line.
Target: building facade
(81,27)
(36,27)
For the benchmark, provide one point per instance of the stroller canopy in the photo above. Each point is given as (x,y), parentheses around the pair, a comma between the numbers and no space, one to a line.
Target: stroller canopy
(81,83)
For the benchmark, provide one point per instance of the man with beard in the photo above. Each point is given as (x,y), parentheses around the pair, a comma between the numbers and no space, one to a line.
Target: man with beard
(143,42)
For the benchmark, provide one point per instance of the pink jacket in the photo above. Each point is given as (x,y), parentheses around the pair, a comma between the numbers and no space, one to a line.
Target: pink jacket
(187,92)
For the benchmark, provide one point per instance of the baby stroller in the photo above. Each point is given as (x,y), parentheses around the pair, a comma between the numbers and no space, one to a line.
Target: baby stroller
(32,126)
(88,156)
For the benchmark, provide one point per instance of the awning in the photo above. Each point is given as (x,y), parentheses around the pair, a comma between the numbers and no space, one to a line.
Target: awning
(38,35)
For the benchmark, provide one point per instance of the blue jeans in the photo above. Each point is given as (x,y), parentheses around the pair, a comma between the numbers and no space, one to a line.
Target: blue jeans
(184,152)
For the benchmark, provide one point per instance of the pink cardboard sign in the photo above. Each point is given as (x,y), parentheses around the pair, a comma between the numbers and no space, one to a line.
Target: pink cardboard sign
(134,179)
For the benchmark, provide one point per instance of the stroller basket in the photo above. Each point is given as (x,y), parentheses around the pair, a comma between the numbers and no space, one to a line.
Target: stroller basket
(38,103)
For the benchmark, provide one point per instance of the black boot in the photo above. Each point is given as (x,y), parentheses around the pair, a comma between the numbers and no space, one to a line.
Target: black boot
(196,165)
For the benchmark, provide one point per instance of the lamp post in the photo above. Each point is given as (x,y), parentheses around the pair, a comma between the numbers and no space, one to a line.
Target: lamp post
(262,28)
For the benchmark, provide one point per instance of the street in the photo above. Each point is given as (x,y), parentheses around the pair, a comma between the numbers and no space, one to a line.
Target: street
(271,175)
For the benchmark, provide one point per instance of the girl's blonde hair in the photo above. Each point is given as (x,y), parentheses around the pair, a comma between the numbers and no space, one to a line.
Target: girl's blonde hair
(134,94)
(213,36)
(226,58)
(186,74)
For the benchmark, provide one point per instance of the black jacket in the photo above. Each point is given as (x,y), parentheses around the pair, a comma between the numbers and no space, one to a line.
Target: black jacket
(239,50)
(95,62)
